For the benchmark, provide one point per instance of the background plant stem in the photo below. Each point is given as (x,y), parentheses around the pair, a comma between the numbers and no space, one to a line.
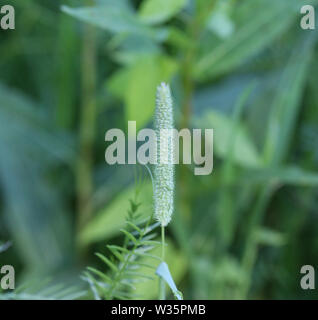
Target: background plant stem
(162,286)
(84,170)
(251,244)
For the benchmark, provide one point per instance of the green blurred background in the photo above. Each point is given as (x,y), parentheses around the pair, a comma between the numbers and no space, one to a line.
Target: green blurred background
(244,68)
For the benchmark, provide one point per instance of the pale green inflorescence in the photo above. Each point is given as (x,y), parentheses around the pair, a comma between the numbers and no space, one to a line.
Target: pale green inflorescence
(164,169)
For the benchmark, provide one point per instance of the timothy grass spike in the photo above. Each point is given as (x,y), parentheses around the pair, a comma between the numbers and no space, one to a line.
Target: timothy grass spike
(164,169)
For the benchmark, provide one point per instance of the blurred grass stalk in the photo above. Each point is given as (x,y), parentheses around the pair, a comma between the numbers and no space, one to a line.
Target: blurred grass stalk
(66,86)
(84,169)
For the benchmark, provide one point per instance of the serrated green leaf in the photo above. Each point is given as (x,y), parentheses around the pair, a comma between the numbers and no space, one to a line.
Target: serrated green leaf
(129,236)
(107,261)
(102,275)
(116,253)
(118,248)
(134,226)
(139,275)
(146,265)
(150,243)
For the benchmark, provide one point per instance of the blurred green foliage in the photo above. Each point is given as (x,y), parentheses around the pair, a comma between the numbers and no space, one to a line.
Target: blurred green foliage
(73,69)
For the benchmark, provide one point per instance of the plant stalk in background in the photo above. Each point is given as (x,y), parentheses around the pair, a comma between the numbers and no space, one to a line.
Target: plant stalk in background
(87,126)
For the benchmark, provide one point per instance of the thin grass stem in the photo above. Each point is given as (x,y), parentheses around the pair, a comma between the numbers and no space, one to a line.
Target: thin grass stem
(162,286)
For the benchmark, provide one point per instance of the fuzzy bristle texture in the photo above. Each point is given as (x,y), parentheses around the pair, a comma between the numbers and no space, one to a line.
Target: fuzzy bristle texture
(164,169)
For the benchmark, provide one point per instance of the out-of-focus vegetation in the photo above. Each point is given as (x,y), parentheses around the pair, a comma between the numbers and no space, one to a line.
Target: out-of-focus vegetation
(73,69)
